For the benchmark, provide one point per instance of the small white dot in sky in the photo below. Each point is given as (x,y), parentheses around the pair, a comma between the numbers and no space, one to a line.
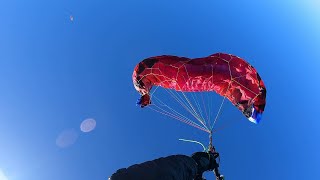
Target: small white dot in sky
(88,125)
(66,138)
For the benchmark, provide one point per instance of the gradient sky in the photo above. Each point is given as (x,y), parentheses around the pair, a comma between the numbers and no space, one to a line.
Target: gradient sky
(55,73)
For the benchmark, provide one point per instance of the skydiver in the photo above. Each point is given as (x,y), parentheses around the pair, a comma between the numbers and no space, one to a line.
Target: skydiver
(175,167)
(71,18)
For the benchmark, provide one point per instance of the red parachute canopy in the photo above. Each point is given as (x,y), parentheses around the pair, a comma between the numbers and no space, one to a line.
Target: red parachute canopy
(225,74)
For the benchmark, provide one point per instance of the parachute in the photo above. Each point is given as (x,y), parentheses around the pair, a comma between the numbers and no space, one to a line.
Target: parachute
(229,76)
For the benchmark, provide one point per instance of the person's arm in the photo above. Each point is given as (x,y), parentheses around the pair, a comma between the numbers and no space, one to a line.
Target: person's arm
(176,167)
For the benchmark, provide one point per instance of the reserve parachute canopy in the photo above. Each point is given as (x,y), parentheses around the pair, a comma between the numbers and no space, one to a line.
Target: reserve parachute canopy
(227,75)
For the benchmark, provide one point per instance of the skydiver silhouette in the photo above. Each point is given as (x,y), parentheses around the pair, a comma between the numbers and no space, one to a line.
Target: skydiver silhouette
(174,167)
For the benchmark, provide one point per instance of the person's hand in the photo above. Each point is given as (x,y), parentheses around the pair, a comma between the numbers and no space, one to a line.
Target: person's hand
(206,161)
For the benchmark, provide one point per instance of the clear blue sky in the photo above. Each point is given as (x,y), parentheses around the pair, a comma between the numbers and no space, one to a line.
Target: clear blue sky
(55,73)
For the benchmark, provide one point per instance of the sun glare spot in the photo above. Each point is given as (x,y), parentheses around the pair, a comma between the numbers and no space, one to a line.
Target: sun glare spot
(66,138)
(2,176)
(88,125)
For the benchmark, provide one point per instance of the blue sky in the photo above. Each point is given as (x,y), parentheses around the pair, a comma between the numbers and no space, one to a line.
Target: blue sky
(55,73)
